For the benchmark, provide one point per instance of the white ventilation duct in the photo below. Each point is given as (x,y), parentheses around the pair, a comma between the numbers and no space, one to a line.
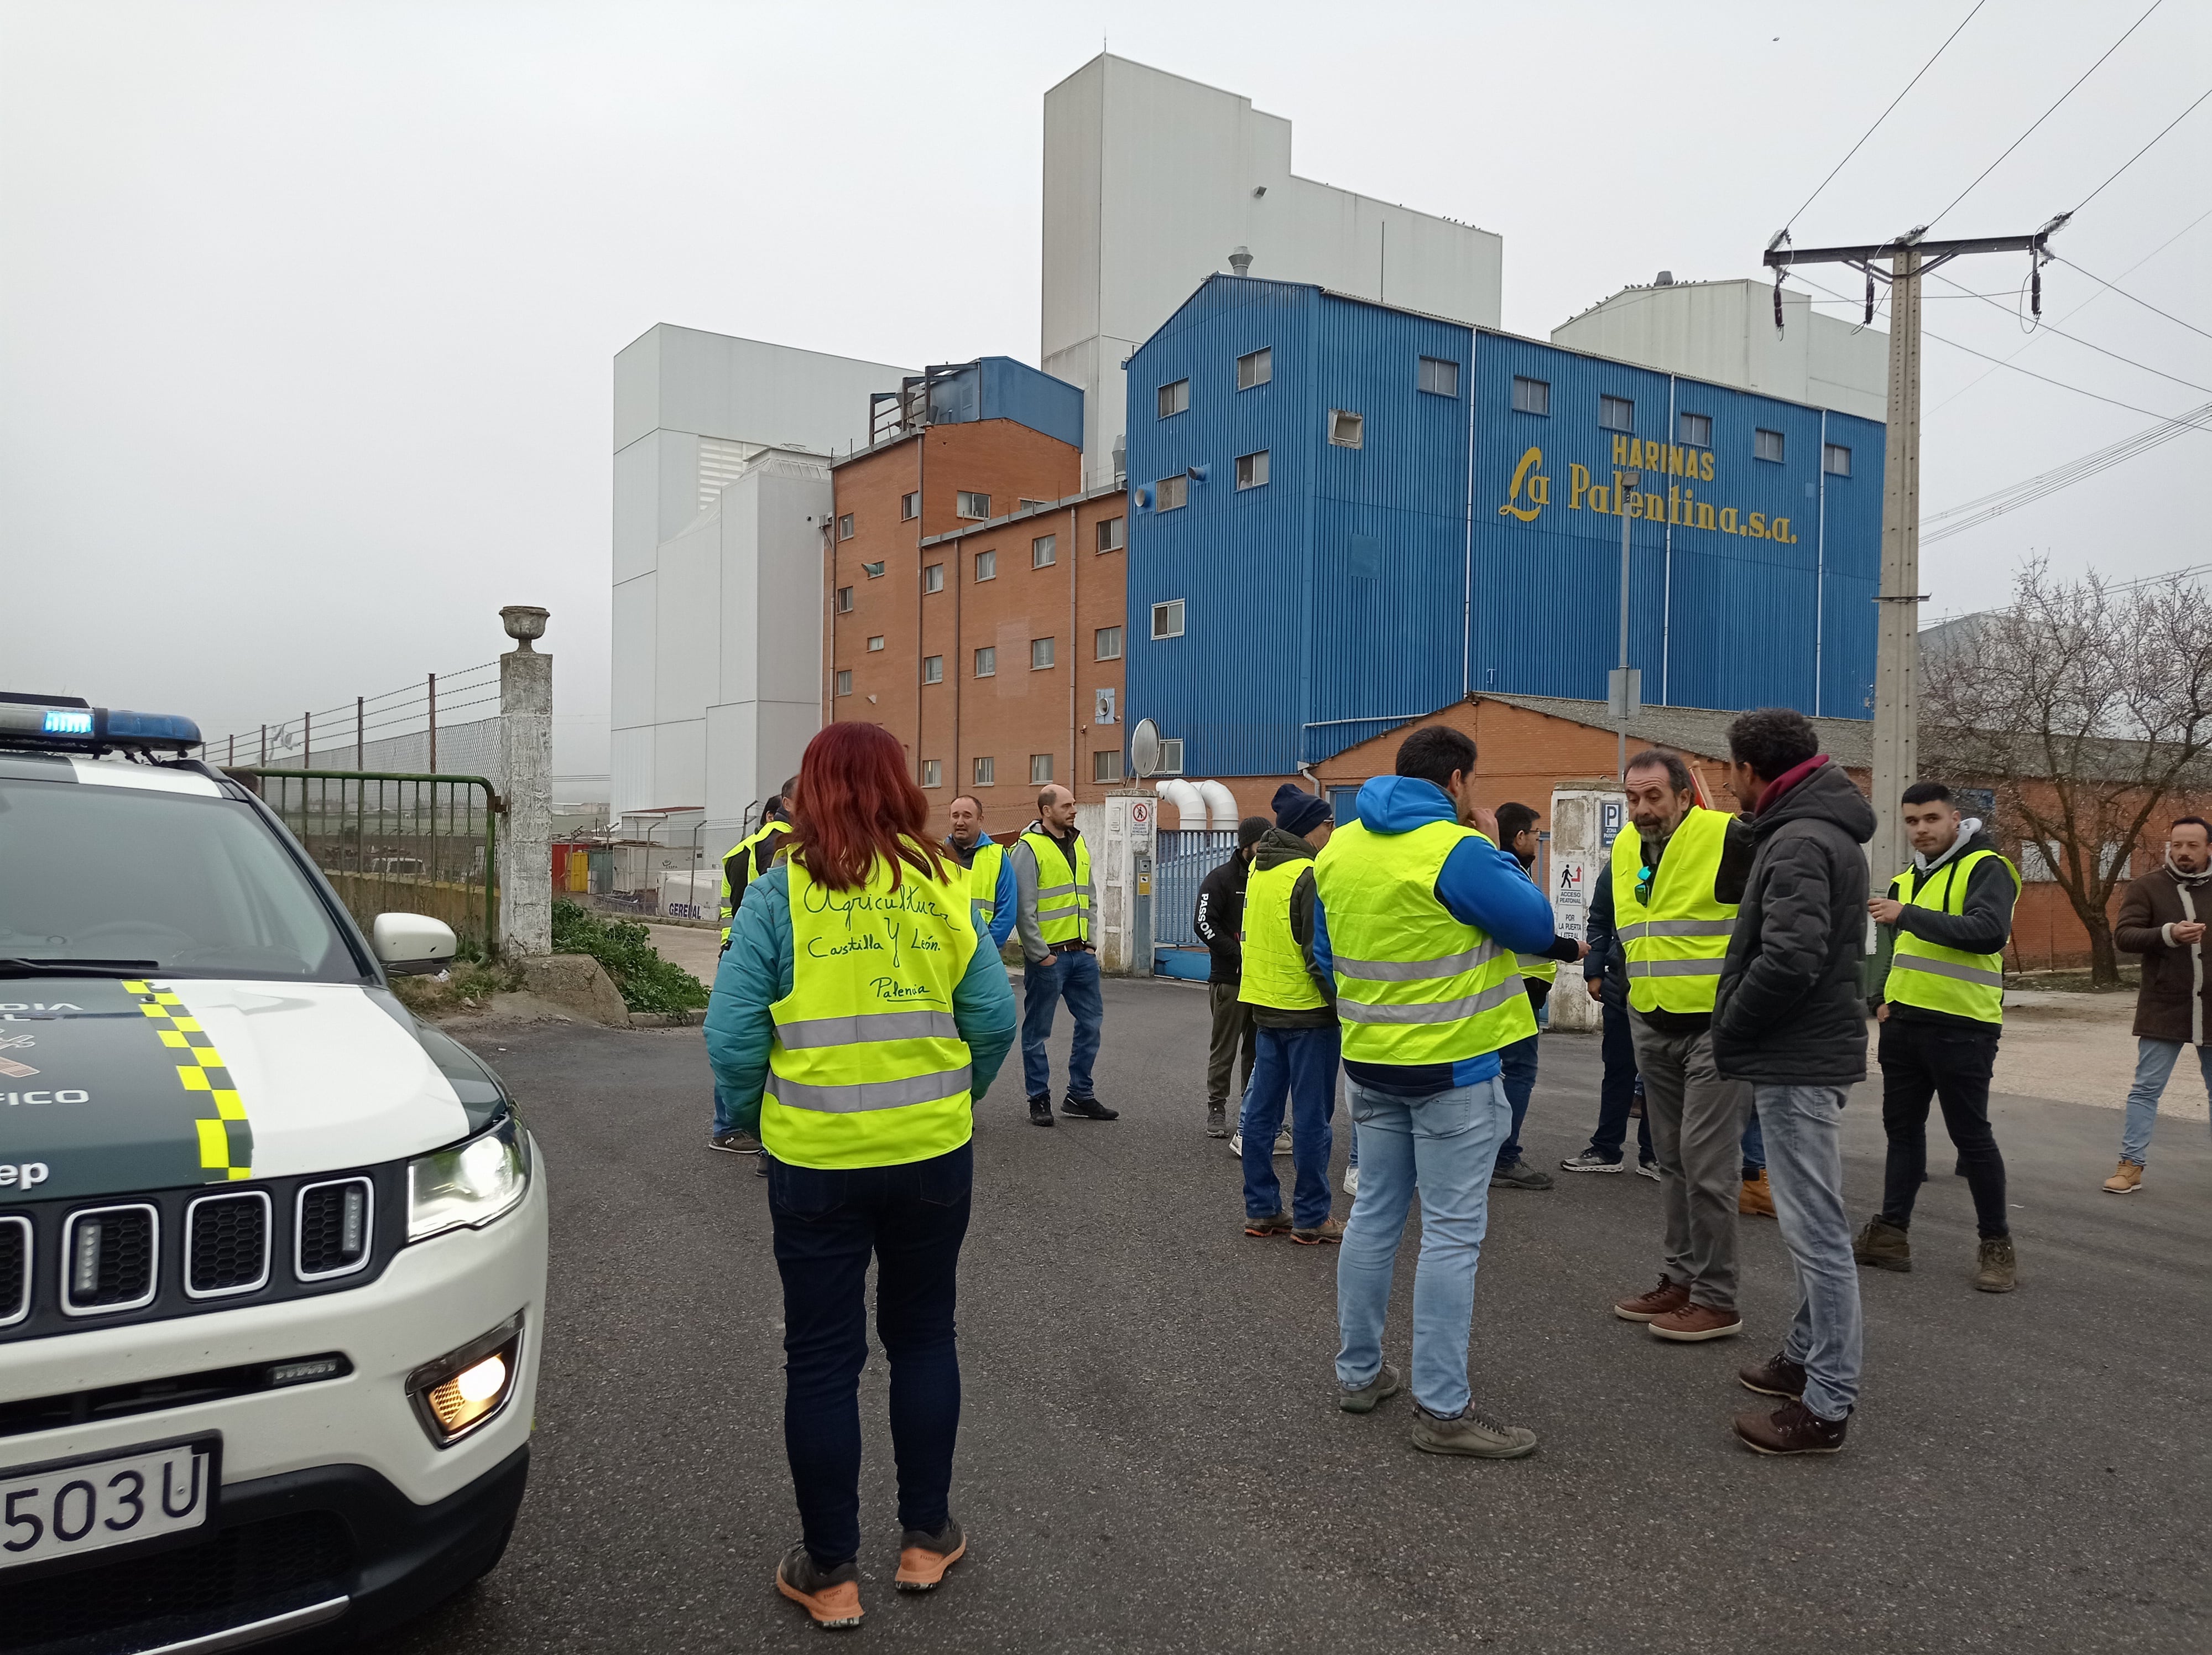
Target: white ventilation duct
(1220,804)
(1189,803)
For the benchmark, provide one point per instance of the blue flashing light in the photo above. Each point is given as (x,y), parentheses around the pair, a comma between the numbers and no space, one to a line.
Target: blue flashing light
(150,730)
(68,721)
(24,723)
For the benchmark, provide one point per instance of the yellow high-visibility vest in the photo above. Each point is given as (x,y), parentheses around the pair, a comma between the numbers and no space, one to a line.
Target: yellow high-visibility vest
(1275,972)
(868,1067)
(763,846)
(1063,906)
(1413,984)
(1675,936)
(983,885)
(1939,979)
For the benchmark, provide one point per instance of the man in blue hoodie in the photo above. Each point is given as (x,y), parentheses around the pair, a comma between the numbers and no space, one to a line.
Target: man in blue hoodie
(1417,916)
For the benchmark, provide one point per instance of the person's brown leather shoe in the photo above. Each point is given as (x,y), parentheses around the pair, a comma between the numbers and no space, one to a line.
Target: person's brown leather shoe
(2126,1181)
(1329,1230)
(1777,1375)
(1792,1428)
(1695,1322)
(1667,1296)
(1757,1199)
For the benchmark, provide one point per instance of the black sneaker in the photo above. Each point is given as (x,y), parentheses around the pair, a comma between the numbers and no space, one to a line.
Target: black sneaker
(1777,1375)
(1041,1110)
(734,1142)
(1518,1175)
(1216,1119)
(1087,1109)
(924,1557)
(1590,1161)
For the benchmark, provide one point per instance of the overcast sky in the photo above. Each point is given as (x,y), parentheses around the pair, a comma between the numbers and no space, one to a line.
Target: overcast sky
(306,311)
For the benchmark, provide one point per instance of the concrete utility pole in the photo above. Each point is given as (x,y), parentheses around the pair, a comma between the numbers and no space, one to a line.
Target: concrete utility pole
(1897,660)
(526,755)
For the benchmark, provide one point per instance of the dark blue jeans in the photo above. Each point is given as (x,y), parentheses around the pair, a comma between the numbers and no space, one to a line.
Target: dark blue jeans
(1517,1067)
(1072,978)
(1300,1065)
(725,1118)
(1618,1091)
(912,1219)
(1754,1147)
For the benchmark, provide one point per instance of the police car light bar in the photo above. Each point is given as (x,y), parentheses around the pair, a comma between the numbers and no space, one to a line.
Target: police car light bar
(60,726)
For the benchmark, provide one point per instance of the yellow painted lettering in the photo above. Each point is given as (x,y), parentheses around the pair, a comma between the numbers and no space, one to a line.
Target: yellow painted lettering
(1674,504)
(1540,490)
(1655,507)
(1636,453)
(1578,485)
(1779,530)
(1599,498)
(1728,520)
(1757,527)
(1620,451)
(1706,466)
(1704,515)
(1529,461)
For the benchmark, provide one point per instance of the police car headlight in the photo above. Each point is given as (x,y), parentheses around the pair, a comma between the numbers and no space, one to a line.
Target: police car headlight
(469,1185)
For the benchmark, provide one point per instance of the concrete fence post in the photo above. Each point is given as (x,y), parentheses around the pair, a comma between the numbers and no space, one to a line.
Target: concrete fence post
(1585,817)
(526,755)
(1121,865)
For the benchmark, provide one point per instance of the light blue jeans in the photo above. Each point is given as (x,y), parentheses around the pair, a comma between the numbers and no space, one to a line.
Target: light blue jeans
(1444,1146)
(1805,1168)
(2155,1061)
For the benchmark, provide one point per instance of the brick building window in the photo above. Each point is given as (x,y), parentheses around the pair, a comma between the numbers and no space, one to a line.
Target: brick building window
(1040,768)
(844,601)
(932,578)
(845,526)
(1106,765)
(1109,643)
(933,669)
(1112,534)
(1041,652)
(933,773)
(875,643)
(969,505)
(874,571)
(987,565)
(1175,398)
(983,772)
(1254,367)
(1044,551)
(987,662)
(910,506)
(845,681)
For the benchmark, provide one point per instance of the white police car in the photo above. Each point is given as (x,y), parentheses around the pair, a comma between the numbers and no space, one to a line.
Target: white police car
(272,1253)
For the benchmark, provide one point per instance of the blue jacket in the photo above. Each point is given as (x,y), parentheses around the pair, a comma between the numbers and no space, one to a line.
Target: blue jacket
(756,973)
(1002,900)
(1478,885)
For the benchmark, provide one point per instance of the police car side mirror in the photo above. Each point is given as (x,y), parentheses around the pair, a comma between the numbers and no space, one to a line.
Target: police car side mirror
(410,944)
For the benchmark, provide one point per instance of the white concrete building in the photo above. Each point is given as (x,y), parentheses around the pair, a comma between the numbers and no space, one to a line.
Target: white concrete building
(721,487)
(1151,181)
(1723,333)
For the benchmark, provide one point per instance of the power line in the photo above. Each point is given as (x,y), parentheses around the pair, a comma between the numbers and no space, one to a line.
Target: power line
(1972,513)
(2131,299)
(1882,117)
(2145,151)
(2047,327)
(2045,115)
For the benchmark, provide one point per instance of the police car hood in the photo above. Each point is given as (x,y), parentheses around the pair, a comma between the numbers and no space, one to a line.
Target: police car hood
(108,1087)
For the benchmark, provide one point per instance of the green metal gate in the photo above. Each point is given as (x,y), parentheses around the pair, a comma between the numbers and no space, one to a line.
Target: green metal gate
(396,843)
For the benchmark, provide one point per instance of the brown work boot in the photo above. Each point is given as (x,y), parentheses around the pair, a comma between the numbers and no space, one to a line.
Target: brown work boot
(1328,1230)
(1777,1375)
(1757,1200)
(1792,1428)
(1695,1322)
(2126,1181)
(1651,1306)
(1883,1245)
(1275,1224)
(1994,1269)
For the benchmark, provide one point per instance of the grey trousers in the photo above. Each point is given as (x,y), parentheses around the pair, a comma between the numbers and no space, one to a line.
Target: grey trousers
(1233,1031)
(1697,1122)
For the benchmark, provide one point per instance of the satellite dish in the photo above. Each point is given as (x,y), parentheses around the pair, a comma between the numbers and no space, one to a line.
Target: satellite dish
(1144,747)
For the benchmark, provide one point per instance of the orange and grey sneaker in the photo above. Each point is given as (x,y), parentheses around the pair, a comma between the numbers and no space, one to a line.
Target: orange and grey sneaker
(832,1596)
(924,1557)
(1275,1224)
(2126,1181)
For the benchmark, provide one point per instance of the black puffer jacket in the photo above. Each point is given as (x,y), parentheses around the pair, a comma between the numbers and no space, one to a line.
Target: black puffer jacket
(1788,1011)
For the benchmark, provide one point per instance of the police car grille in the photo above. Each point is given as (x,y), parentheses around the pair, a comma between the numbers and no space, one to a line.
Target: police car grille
(111,1257)
(333,1227)
(244,1573)
(230,1242)
(14,1268)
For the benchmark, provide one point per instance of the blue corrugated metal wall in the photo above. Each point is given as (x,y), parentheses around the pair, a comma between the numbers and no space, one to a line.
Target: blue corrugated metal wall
(1362,586)
(998,387)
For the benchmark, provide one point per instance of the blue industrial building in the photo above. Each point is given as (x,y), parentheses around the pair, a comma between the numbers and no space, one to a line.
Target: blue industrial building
(1346,515)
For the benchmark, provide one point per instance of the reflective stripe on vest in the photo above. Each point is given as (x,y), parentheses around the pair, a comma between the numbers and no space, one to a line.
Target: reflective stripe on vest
(1675,940)
(1275,974)
(1063,907)
(983,885)
(1414,985)
(1939,979)
(868,1067)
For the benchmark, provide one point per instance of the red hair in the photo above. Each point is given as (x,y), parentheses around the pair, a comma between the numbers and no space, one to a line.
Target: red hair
(857,805)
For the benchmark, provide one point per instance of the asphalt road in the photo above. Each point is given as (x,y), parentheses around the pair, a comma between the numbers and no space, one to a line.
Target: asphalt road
(1151,1459)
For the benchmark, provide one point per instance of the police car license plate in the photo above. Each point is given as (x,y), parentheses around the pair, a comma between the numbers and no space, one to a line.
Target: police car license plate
(66,1508)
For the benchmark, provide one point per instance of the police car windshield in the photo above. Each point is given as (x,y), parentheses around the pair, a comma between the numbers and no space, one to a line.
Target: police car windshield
(191,886)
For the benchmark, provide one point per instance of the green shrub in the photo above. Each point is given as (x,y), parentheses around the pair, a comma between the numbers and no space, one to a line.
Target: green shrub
(646,981)
(465,986)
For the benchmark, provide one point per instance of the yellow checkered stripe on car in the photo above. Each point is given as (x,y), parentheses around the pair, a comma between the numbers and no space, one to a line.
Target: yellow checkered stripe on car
(225,1138)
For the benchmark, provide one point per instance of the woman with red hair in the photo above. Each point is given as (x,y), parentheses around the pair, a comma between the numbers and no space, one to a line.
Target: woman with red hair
(854,1022)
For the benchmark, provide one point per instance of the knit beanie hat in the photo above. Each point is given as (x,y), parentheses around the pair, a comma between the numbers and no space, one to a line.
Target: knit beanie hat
(1299,812)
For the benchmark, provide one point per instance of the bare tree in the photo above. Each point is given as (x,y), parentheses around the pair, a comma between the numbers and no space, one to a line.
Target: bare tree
(2087,708)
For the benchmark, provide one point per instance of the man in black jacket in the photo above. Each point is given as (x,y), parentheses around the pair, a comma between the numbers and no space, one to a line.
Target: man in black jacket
(1790,1020)
(1939,994)
(1605,977)
(1218,919)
